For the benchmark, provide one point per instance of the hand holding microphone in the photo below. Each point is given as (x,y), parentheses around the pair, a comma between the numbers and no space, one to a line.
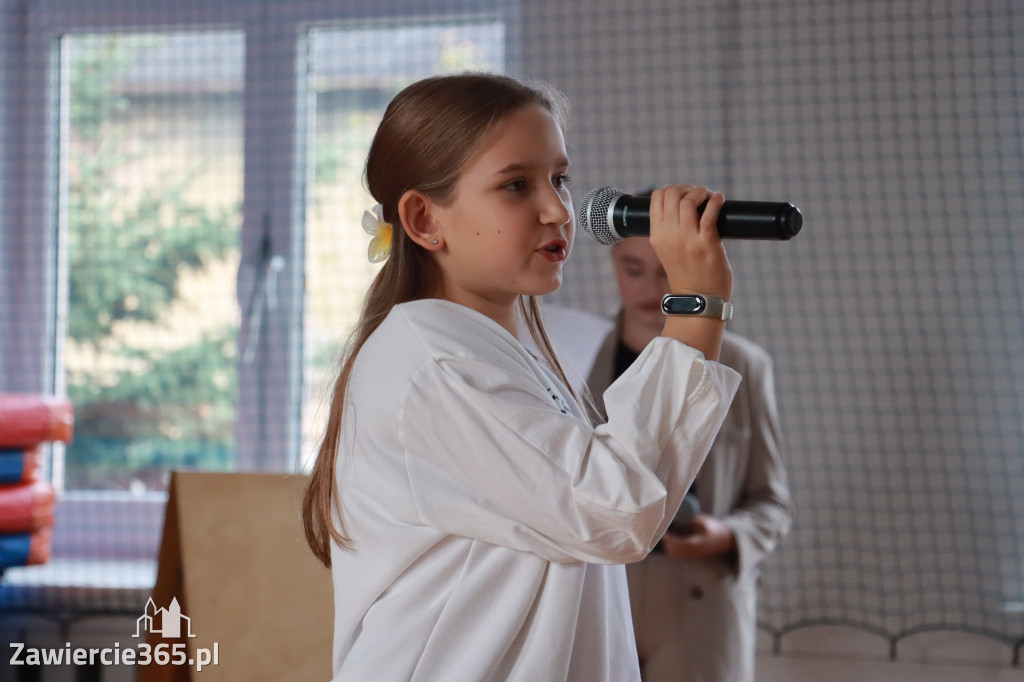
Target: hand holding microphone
(609,215)
(687,243)
(684,237)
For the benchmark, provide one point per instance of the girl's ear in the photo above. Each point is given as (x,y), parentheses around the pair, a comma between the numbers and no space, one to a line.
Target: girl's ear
(415,212)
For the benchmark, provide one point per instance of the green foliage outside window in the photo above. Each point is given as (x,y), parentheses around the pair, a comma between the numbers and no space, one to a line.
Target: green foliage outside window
(143,408)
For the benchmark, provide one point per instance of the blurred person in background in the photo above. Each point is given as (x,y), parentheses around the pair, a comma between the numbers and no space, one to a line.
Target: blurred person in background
(694,599)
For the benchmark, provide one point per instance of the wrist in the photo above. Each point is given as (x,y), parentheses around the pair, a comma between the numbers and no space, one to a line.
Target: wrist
(723,288)
(701,333)
(697,305)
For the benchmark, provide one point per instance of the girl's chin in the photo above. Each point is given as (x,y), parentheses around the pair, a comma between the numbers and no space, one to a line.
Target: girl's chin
(545,287)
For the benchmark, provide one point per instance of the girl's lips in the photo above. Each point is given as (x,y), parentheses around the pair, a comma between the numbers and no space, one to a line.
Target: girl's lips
(555,255)
(554,251)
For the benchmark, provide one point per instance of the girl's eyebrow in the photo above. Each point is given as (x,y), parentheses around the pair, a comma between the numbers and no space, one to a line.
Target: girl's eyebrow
(519,166)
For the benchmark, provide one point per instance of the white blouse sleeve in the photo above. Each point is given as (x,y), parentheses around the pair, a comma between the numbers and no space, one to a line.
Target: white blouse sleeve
(490,456)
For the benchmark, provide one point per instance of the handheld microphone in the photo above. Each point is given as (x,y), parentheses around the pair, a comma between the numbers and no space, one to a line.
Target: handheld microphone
(609,215)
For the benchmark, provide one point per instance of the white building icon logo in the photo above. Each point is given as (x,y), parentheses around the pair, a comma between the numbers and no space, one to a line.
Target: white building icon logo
(170,621)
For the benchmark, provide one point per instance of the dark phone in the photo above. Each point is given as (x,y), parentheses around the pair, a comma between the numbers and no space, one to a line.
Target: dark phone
(682,522)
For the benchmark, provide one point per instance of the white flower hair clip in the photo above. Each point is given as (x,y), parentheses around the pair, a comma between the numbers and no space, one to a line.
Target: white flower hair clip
(374,225)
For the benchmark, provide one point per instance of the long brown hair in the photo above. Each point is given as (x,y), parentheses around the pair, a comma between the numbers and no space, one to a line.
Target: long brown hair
(428,133)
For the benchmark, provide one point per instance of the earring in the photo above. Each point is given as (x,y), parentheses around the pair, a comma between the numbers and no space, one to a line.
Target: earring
(433,241)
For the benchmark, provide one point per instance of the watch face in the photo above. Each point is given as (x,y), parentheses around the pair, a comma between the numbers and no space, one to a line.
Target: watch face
(683,305)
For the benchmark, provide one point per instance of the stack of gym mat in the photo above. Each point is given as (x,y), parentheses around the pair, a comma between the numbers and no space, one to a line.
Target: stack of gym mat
(27,422)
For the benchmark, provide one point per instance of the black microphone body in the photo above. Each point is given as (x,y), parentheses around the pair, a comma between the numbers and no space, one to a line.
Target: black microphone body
(609,215)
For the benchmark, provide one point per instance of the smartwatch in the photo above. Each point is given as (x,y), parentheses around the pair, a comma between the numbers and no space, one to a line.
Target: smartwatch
(697,305)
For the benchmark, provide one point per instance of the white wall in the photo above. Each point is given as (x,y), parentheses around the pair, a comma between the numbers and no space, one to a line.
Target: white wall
(894,318)
(7,44)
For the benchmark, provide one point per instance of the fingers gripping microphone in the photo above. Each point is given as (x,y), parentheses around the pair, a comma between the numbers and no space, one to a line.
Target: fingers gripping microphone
(609,215)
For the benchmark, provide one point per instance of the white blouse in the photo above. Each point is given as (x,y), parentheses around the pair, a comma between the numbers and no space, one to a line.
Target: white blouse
(488,519)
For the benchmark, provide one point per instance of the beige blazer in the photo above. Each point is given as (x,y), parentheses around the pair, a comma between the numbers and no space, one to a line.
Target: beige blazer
(695,619)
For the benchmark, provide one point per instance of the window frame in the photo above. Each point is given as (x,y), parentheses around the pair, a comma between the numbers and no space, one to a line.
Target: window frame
(275,112)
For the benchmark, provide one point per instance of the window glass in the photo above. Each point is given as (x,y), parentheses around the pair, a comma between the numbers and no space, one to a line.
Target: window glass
(151,189)
(355,71)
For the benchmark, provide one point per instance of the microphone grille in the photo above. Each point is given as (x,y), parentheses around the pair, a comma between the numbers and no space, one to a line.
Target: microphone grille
(592,215)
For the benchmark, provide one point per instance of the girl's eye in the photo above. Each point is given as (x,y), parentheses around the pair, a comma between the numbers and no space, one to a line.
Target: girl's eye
(561,180)
(516,185)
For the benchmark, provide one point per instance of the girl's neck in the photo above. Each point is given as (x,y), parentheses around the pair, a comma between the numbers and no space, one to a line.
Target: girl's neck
(507,318)
(502,313)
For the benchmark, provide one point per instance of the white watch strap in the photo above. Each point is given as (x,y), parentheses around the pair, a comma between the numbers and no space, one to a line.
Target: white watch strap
(727,310)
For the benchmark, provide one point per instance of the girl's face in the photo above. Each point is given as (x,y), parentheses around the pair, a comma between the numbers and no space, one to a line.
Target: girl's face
(509,227)
(642,282)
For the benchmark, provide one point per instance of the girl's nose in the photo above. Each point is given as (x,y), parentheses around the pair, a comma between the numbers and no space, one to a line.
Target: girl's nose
(554,210)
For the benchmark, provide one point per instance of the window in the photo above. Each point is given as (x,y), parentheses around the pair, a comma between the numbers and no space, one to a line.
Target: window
(353,81)
(198,173)
(151,209)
